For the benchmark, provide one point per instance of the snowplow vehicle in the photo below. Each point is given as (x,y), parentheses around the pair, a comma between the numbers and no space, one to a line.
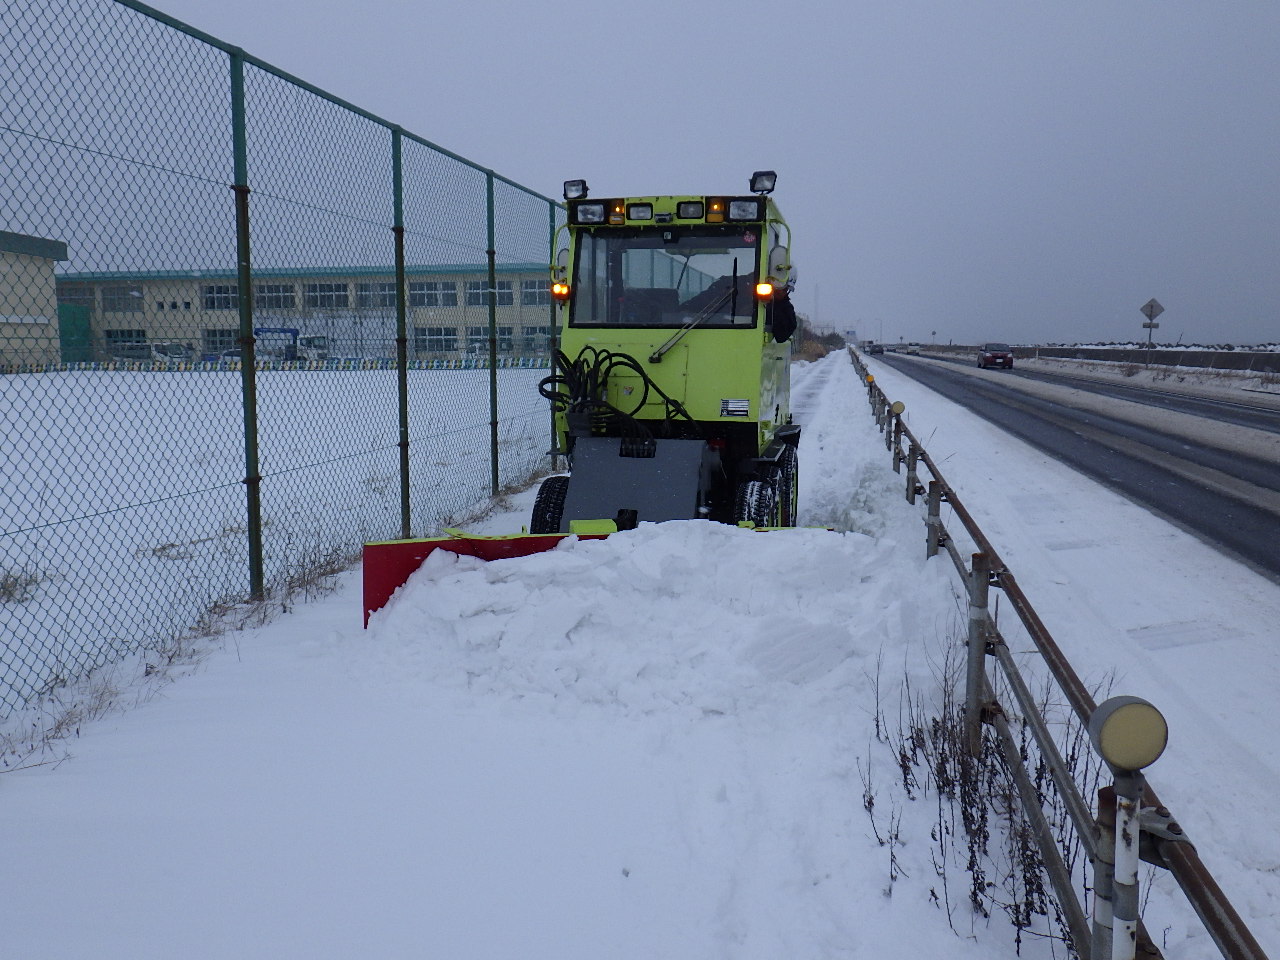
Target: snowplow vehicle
(671,384)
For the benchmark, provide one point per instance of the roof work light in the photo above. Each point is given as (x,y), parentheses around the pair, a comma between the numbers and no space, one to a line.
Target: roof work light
(763,181)
(575,189)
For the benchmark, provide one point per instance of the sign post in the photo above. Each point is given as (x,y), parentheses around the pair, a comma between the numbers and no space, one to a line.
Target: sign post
(1151,309)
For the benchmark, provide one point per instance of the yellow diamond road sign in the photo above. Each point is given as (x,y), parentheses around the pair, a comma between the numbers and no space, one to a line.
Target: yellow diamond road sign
(1152,309)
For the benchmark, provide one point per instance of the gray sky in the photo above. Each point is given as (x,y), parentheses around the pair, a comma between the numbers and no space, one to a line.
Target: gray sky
(1013,170)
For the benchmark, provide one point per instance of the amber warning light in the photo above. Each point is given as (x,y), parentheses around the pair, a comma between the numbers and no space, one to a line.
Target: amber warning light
(560,290)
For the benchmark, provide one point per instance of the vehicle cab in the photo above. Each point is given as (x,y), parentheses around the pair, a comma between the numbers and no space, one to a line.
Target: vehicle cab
(667,337)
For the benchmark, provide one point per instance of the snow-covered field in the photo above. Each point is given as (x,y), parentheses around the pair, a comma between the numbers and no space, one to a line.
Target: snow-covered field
(125,507)
(667,743)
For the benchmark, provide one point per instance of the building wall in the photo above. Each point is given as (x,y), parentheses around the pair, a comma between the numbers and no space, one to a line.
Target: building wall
(446,312)
(28,310)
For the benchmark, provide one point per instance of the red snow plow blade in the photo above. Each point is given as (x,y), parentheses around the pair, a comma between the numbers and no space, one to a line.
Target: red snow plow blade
(388,565)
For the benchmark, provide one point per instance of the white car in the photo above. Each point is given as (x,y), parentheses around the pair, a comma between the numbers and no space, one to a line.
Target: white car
(913,348)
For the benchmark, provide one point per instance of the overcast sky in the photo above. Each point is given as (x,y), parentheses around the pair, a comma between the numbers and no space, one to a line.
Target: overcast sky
(1013,170)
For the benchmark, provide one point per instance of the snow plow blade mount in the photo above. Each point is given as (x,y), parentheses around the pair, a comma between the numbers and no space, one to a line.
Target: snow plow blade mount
(388,565)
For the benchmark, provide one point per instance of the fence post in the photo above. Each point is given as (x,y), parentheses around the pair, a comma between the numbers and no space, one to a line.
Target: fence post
(933,523)
(896,445)
(493,337)
(976,662)
(553,340)
(244,294)
(402,326)
(913,479)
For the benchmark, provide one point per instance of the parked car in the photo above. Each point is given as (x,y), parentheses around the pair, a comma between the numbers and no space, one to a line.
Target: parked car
(995,355)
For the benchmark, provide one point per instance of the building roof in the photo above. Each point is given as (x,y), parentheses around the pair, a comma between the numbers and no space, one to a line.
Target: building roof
(27,246)
(276,273)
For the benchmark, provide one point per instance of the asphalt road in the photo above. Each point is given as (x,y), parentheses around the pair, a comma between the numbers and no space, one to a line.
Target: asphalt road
(1223,411)
(1219,492)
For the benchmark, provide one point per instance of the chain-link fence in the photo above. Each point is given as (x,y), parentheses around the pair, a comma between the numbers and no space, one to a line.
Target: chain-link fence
(244,327)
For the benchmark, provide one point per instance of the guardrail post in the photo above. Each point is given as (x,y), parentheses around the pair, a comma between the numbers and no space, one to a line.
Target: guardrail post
(1130,734)
(1124,891)
(975,672)
(897,445)
(913,479)
(1104,871)
(890,436)
(933,523)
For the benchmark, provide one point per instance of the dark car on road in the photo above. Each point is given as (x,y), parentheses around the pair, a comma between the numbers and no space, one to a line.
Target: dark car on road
(875,348)
(995,355)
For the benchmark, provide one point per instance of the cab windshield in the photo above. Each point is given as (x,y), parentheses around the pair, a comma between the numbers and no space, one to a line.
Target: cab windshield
(666,277)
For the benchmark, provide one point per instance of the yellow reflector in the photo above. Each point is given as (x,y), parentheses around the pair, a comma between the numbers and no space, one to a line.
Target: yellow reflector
(764,290)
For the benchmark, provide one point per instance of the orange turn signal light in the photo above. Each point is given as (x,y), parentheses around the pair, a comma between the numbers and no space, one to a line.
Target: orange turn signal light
(715,210)
(764,290)
(560,290)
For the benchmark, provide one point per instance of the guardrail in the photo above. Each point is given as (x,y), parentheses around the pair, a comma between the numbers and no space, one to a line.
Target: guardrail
(1161,839)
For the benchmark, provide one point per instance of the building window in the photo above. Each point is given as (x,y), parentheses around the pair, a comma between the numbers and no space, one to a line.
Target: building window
(433,293)
(476,290)
(223,296)
(535,293)
(435,339)
(76,294)
(477,339)
(122,299)
(117,337)
(274,296)
(372,295)
(505,339)
(326,296)
(536,339)
(220,341)
(127,344)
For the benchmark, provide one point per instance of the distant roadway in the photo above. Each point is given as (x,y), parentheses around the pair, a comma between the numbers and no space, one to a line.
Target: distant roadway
(1211,466)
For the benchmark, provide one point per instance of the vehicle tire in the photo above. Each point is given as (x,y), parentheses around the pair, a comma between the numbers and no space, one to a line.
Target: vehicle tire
(788,487)
(756,502)
(548,506)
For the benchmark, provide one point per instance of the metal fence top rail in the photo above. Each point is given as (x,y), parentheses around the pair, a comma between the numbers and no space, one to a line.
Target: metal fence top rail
(240,54)
(296,272)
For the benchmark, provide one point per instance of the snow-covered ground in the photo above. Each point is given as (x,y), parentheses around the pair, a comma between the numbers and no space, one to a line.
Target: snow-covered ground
(664,744)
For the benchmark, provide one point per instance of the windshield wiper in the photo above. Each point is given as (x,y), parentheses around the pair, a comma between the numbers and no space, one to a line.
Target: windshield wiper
(707,311)
(730,295)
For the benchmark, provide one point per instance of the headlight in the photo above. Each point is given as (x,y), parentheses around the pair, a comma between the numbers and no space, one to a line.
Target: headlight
(589,213)
(640,211)
(689,210)
(744,209)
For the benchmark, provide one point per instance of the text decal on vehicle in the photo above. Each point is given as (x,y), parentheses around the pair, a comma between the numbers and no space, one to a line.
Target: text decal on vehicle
(735,408)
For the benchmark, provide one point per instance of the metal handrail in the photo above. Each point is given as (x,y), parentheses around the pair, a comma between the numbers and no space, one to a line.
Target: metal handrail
(1221,920)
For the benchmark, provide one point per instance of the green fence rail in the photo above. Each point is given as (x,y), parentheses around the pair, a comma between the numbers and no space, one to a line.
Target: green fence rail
(244,327)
